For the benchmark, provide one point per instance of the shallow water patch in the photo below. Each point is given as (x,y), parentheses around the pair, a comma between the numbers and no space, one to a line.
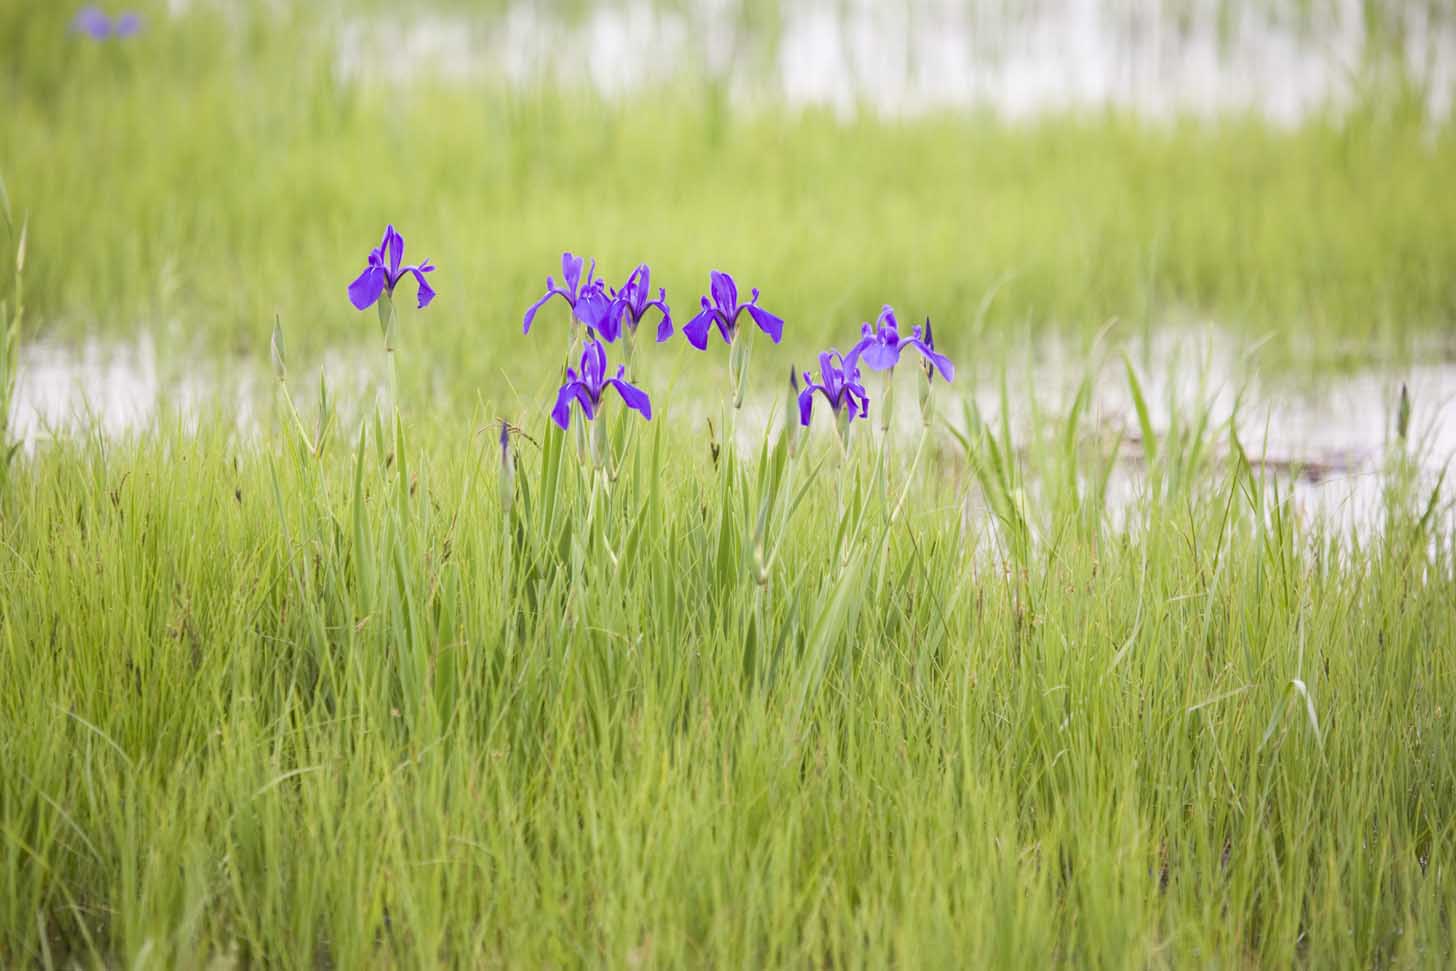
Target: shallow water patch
(902,59)
(1327,438)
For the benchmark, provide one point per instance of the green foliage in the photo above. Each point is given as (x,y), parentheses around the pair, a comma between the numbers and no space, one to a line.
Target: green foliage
(304,707)
(424,685)
(1336,227)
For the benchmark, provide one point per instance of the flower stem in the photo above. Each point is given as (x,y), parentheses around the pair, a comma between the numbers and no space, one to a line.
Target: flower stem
(738,360)
(389,326)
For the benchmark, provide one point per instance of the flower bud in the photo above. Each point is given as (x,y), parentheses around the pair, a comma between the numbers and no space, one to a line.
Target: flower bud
(791,414)
(507,468)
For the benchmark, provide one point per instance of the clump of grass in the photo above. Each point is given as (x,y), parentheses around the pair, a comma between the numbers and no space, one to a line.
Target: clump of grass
(404,701)
(12,313)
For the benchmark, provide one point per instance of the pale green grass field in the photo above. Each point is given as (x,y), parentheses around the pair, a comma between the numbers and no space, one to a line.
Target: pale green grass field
(941,701)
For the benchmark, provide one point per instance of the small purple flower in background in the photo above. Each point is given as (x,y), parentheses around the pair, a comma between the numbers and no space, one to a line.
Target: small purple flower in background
(571,280)
(587,387)
(95,24)
(633,299)
(384,272)
(839,385)
(724,311)
(880,348)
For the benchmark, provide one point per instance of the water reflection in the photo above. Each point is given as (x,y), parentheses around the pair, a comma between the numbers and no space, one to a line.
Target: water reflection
(1326,438)
(1203,56)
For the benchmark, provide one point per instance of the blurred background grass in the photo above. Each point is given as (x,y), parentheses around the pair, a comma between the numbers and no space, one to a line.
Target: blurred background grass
(227,165)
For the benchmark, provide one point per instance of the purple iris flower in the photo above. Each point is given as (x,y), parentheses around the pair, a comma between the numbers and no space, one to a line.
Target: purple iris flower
(587,387)
(840,386)
(384,272)
(95,24)
(724,311)
(880,347)
(598,310)
(568,291)
(634,303)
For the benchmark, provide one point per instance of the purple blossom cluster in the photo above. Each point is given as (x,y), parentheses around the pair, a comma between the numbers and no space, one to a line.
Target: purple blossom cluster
(609,314)
(879,348)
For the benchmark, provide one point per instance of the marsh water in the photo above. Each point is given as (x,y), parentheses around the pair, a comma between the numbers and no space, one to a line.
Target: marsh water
(1282,61)
(1326,435)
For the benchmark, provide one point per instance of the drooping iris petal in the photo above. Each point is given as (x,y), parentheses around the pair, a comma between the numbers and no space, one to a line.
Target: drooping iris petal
(938,360)
(806,400)
(664,326)
(770,324)
(551,291)
(696,330)
(571,390)
(367,287)
(880,357)
(427,292)
(634,397)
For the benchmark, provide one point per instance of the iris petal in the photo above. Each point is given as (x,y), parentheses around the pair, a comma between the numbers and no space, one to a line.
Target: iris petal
(599,312)
(393,245)
(561,413)
(940,361)
(570,274)
(551,291)
(806,403)
(770,324)
(881,357)
(367,287)
(427,292)
(634,397)
(851,360)
(696,330)
(593,367)
(724,291)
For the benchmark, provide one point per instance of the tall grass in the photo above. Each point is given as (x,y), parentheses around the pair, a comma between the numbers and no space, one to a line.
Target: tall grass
(372,707)
(372,688)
